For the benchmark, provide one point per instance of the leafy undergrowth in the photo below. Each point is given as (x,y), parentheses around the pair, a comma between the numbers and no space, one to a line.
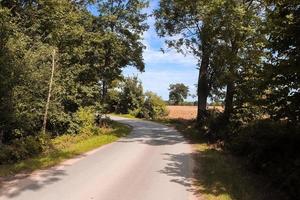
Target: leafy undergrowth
(218,174)
(66,147)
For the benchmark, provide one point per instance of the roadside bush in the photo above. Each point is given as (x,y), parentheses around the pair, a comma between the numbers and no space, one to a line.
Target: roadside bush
(103,121)
(58,122)
(131,96)
(139,113)
(66,140)
(270,148)
(153,107)
(23,148)
(85,121)
(214,127)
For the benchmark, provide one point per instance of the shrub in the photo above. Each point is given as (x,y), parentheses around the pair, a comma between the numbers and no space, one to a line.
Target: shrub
(270,148)
(131,95)
(103,121)
(23,148)
(84,121)
(154,107)
(214,127)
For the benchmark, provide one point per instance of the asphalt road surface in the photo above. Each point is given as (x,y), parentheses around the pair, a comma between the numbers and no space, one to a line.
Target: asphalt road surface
(153,163)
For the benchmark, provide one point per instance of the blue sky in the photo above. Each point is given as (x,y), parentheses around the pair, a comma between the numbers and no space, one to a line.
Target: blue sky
(163,69)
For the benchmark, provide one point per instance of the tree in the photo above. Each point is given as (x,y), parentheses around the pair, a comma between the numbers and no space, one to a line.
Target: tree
(178,93)
(236,58)
(91,53)
(195,25)
(281,75)
(127,97)
(121,24)
(154,107)
(131,96)
(25,65)
(11,50)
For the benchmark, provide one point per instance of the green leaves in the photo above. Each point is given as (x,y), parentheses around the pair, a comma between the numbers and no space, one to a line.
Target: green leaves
(178,93)
(281,71)
(90,50)
(123,23)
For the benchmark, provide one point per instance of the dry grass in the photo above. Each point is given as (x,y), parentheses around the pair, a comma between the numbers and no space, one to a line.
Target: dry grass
(187,112)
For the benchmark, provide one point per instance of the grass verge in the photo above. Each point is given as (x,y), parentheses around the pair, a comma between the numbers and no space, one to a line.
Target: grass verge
(66,147)
(218,174)
(129,116)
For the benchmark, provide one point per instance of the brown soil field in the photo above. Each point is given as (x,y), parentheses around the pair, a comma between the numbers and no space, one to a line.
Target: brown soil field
(186,112)
(183,112)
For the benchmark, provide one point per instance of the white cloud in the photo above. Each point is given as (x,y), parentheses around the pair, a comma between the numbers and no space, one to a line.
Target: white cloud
(159,80)
(154,55)
(168,58)
(163,69)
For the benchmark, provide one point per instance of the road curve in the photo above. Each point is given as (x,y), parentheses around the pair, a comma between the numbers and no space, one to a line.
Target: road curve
(153,163)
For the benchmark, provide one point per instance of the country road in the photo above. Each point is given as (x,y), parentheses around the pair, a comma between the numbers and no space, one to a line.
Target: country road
(153,163)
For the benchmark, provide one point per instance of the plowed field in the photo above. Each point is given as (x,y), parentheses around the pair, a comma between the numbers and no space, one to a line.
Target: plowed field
(186,112)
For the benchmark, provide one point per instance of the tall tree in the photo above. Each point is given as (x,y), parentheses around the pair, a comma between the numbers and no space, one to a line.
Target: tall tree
(30,31)
(12,46)
(236,58)
(281,71)
(178,93)
(131,95)
(121,24)
(194,23)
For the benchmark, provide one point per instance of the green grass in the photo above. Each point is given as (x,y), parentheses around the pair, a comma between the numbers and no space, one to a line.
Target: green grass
(124,115)
(218,174)
(66,147)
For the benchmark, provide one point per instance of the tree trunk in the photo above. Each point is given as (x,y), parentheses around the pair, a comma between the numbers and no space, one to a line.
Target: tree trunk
(1,137)
(49,93)
(203,87)
(106,72)
(229,100)
(230,90)
(104,90)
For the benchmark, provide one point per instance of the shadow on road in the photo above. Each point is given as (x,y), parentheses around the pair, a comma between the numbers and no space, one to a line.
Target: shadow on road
(217,176)
(151,133)
(32,182)
(178,168)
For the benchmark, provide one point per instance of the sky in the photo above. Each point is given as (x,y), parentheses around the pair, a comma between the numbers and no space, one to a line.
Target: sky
(162,69)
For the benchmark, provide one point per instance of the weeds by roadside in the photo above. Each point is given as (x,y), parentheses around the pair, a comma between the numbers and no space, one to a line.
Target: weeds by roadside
(65,147)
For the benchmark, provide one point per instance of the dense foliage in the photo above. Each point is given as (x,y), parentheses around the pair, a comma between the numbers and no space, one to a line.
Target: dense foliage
(270,149)
(128,97)
(178,93)
(90,54)
(131,95)
(248,57)
(153,107)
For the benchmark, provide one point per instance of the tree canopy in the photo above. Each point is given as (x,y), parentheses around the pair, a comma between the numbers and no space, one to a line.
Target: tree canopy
(248,53)
(178,93)
(91,52)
